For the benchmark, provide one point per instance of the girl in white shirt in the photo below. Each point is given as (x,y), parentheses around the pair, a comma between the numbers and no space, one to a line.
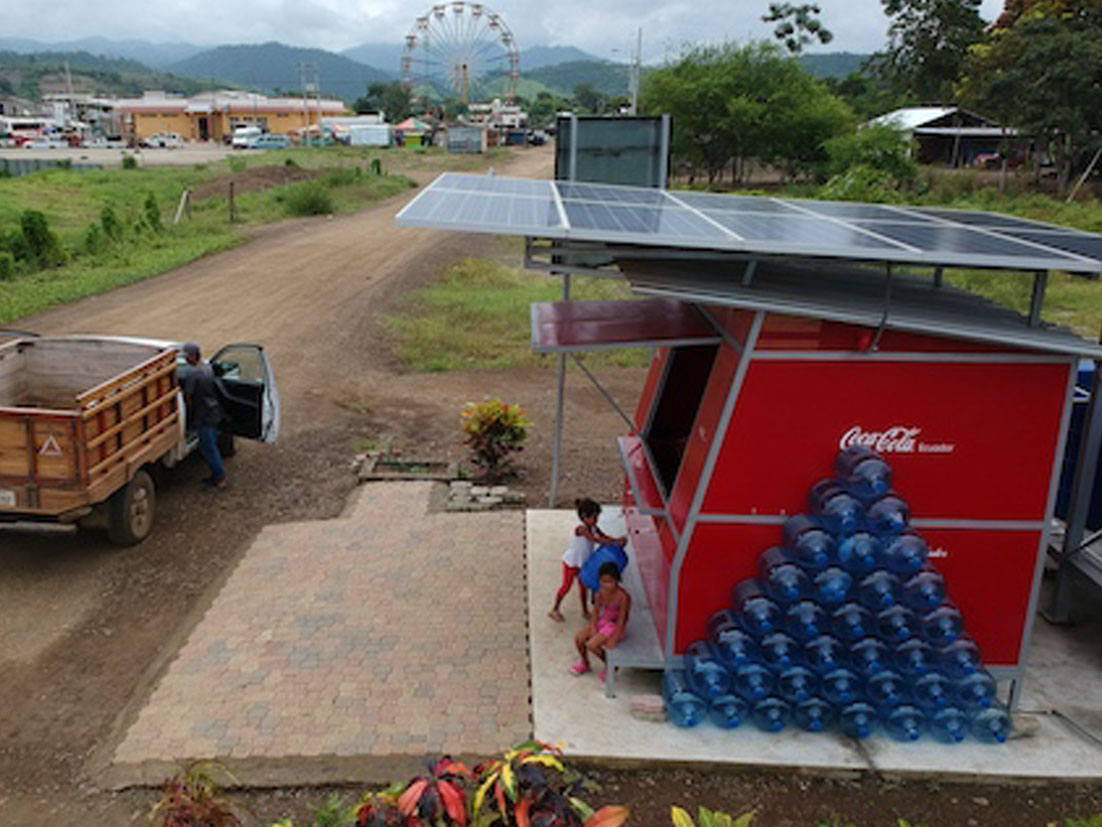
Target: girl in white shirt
(587,536)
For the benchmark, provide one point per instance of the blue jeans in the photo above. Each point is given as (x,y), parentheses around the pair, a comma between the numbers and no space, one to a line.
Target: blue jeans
(208,447)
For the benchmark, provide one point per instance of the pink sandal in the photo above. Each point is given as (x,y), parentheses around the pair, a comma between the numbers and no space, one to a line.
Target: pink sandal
(604,674)
(579,669)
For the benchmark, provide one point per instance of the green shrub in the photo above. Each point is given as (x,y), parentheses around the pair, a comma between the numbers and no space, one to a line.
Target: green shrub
(884,149)
(109,220)
(237,165)
(7,265)
(41,240)
(65,163)
(95,239)
(152,213)
(129,161)
(341,177)
(861,183)
(494,431)
(289,162)
(310,198)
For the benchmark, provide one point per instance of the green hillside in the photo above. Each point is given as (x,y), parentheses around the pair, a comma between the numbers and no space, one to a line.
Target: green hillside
(833,64)
(609,78)
(274,67)
(30,75)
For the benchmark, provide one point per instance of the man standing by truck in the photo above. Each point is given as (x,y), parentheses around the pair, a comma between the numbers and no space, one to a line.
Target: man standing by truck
(205,412)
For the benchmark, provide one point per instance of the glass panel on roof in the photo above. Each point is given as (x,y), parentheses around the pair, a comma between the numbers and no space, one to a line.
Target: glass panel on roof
(799,231)
(979,219)
(492,212)
(1079,243)
(671,223)
(732,203)
(610,195)
(846,209)
(950,239)
(494,184)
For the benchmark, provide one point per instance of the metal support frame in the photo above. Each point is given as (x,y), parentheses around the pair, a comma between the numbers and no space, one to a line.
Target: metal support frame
(939,276)
(1082,489)
(556,448)
(887,309)
(748,273)
(1040,279)
(600,388)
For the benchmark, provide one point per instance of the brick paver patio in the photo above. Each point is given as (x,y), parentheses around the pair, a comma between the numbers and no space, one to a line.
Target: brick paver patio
(393,631)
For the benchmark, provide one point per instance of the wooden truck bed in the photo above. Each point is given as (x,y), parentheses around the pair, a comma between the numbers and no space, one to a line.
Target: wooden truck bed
(78,418)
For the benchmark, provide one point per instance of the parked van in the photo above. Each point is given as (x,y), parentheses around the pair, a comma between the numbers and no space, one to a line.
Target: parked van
(244,135)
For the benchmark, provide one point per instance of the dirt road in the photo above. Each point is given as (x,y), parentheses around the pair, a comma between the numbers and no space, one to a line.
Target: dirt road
(85,625)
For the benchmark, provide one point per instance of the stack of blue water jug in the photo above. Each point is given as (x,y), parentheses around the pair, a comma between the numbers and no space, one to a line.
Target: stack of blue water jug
(848,626)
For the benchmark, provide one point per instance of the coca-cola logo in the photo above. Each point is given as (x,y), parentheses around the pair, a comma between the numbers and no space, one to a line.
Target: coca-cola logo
(898,439)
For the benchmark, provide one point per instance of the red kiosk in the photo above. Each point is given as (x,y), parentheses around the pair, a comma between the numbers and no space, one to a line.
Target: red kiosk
(772,353)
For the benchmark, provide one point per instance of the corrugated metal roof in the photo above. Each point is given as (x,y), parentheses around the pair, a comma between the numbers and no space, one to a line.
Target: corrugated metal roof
(912,117)
(855,295)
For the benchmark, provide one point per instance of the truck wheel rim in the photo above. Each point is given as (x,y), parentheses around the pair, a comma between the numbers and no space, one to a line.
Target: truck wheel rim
(139,512)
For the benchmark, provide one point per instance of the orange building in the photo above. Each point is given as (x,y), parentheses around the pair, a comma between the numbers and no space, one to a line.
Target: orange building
(212,116)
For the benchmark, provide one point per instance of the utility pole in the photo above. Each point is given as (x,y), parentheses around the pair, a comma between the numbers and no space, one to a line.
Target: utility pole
(636,70)
(308,79)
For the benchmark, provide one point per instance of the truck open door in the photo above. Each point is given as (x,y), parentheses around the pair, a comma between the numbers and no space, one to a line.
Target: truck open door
(247,391)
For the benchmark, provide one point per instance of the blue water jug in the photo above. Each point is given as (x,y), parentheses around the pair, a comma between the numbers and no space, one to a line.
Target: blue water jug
(906,554)
(758,613)
(831,586)
(806,620)
(811,543)
(771,714)
(870,655)
(780,650)
(590,573)
(753,681)
(841,685)
(932,691)
(852,622)
(915,657)
(879,590)
(888,514)
(961,657)
(728,711)
(837,509)
(943,626)
(886,688)
(730,642)
(857,720)
(947,724)
(708,678)
(976,691)
(865,473)
(898,624)
(825,653)
(813,715)
(924,592)
(992,725)
(683,708)
(904,723)
(781,575)
(797,683)
(859,553)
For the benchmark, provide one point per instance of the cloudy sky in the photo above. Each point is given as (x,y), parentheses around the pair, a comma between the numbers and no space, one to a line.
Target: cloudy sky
(598,26)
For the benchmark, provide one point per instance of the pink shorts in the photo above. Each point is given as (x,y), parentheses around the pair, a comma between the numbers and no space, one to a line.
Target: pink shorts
(605,628)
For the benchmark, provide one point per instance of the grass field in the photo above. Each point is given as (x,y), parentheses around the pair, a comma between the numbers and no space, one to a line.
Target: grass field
(74,202)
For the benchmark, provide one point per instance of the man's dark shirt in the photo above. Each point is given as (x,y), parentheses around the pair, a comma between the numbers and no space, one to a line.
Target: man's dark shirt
(199,387)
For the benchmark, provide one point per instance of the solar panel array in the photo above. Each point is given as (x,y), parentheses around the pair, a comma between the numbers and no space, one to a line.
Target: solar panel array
(564,210)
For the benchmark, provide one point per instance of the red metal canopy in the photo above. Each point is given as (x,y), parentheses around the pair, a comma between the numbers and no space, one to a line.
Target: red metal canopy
(574,326)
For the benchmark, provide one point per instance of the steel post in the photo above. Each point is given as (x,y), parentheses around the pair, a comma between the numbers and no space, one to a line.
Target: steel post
(556,447)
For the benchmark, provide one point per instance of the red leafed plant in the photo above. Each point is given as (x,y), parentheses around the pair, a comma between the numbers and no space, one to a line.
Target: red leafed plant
(191,798)
(381,809)
(438,798)
(530,787)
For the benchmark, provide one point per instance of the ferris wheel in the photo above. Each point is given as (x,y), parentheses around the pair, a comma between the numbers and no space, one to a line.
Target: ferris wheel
(456,48)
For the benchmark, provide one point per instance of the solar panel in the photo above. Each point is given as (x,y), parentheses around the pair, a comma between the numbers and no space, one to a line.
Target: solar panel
(561,210)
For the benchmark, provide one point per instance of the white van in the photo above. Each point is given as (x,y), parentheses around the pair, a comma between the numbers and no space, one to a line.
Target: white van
(245,134)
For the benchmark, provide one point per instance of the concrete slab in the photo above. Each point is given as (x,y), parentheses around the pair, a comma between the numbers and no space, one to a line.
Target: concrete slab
(393,632)
(576,711)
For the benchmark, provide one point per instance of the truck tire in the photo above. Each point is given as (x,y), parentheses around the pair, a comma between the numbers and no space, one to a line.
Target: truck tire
(226,445)
(132,510)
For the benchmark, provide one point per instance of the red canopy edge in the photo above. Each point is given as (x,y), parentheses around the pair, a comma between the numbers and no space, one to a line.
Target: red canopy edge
(576,326)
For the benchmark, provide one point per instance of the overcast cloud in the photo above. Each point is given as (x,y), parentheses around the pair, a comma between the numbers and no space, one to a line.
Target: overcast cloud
(598,26)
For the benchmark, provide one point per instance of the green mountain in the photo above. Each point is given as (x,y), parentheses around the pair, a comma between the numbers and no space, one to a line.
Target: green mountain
(31,75)
(832,64)
(272,67)
(562,78)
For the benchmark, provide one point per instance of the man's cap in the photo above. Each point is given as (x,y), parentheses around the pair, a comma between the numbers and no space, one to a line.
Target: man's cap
(191,349)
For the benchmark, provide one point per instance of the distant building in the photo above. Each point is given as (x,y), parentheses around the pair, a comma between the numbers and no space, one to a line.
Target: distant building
(212,116)
(947,135)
